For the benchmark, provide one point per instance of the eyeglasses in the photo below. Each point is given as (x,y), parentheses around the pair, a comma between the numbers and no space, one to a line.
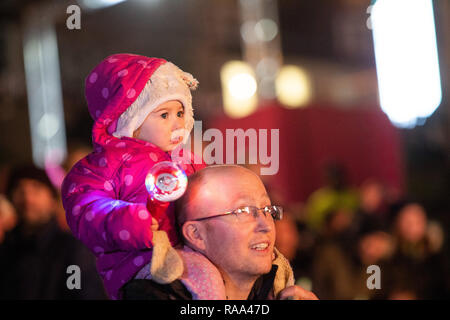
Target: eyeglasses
(249,213)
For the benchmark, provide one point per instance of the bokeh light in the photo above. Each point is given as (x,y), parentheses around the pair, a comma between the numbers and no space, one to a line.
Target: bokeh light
(293,86)
(239,89)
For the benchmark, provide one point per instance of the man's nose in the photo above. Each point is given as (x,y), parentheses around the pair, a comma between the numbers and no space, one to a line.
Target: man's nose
(264,222)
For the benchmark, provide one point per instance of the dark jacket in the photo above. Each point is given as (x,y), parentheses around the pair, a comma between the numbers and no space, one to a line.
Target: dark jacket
(35,266)
(143,289)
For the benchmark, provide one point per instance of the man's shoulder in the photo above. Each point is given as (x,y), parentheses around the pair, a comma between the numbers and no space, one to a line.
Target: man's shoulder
(144,289)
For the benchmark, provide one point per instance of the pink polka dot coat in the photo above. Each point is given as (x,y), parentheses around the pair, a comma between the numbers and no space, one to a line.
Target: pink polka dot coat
(104,194)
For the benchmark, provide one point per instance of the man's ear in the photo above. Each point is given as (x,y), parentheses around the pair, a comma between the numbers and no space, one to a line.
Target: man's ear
(193,235)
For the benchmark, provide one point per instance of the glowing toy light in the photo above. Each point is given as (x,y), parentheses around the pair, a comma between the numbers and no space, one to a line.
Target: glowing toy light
(406,59)
(166,181)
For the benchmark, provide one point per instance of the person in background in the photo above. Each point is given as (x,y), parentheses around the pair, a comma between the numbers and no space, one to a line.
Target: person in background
(36,254)
(296,243)
(371,212)
(373,246)
(336,194)
(76,152)
(288,237)
(332,269)
(418,268)
(8,217)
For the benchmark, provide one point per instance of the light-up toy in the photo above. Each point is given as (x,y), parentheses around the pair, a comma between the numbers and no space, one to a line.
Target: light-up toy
(165,182)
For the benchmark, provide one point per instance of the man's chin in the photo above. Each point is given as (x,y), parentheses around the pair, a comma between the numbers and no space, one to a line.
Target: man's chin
(264,266)
(264,269)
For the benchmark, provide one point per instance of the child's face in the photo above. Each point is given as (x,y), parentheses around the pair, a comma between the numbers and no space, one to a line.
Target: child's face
(160,123)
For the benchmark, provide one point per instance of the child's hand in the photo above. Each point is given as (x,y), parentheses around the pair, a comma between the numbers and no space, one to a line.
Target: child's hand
(155,225)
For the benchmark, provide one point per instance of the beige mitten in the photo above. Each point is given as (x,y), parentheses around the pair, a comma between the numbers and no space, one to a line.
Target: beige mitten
(284,276)
(166,265)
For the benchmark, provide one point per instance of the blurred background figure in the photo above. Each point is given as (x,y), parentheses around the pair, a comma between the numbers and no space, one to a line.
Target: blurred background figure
(8,218)
(419,267)
(294,239)
(372,202)
(373,246)
(332,269)
(76,151)
(371,212)
(335,195)
(288,237)
(35,255)
(296,242)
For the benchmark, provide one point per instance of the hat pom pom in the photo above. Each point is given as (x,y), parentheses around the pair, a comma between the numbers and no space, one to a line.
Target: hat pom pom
(191,82)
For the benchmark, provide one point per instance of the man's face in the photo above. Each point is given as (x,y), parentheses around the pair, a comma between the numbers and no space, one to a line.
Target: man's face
(160,124)
(230,243)
(33,201)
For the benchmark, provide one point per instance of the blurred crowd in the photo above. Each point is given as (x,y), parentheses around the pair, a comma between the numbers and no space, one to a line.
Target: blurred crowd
(330,241)
(341,231)
(37,250)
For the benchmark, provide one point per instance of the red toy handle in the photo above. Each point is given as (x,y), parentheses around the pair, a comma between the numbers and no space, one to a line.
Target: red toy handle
(157,208)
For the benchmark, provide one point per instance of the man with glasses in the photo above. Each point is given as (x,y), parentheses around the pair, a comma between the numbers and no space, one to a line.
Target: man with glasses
(226,215)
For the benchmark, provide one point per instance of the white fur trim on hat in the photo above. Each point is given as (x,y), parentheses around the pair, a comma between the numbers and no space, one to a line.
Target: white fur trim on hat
(167,83)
